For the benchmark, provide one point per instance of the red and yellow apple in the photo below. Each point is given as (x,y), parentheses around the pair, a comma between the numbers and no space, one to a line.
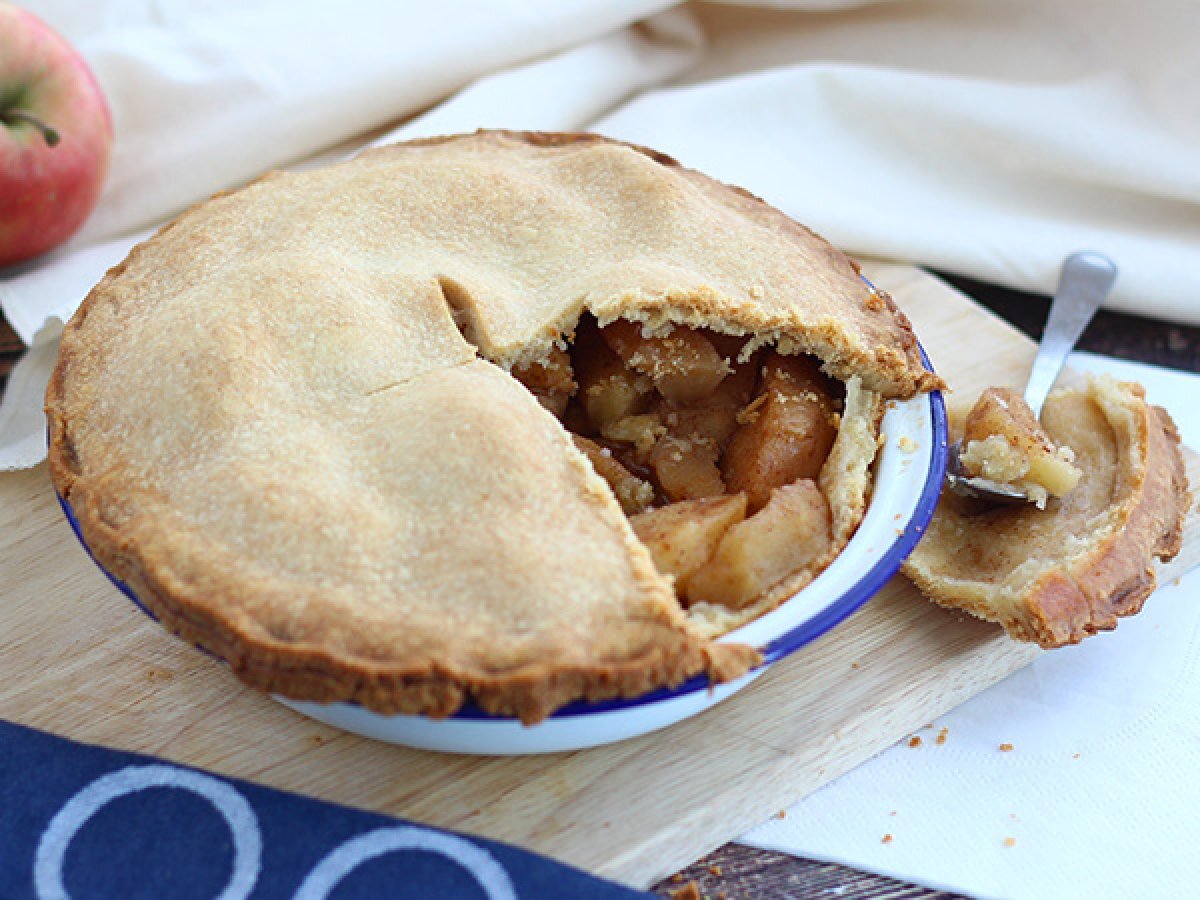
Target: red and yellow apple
(56,136)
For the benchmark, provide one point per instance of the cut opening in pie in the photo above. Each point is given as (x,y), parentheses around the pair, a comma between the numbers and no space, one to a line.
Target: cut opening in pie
(720,451)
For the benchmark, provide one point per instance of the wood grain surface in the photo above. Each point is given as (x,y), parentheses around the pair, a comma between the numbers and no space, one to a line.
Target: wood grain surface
(76,659)
(737,872)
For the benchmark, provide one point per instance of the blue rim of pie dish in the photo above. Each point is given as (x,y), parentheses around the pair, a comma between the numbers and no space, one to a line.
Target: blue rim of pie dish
(773,651)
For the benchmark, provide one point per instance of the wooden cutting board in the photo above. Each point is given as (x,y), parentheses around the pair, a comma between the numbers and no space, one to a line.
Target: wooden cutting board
(77,659)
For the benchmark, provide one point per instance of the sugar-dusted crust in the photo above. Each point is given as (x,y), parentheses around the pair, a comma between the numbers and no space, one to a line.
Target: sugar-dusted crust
(1057,575)
(269,423)
(668,244)
(523,592)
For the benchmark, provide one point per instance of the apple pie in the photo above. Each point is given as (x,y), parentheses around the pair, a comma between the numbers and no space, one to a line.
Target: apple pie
(505,418)
(1060,573)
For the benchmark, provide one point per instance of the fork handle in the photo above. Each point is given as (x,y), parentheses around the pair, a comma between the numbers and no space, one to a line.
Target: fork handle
(1082,286)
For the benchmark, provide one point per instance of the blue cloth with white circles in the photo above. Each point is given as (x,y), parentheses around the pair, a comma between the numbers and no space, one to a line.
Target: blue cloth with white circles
(88,822)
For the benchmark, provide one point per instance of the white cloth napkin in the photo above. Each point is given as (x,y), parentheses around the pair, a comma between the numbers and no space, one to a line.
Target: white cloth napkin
(1098,796)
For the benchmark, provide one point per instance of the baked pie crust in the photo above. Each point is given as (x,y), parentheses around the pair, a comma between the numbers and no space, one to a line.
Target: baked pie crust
(1056,575)
(290,422)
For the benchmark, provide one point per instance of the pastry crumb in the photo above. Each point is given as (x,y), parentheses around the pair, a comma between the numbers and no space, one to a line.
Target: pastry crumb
(914,741)
(887,839)
(1006,748)
(856,665)
(690,891)
(1074,756)
(782,814)
(941,736)
(1010,842)
(906,444)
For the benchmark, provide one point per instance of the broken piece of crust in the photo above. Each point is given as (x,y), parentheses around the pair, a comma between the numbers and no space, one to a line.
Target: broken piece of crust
(1056,576)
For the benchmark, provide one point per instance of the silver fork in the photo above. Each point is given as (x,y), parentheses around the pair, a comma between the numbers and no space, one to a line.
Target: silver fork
(1083,284)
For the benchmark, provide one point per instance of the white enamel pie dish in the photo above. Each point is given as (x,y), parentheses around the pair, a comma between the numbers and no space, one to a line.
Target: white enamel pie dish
(908,476)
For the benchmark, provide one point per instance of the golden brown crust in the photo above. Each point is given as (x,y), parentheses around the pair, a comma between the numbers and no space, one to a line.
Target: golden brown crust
(317,674)
(269,425)
(266,655)
(1117,577)
(428,687)
(821,306)
(1056,576)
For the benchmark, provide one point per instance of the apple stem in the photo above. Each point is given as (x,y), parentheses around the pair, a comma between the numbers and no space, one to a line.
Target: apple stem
(19,115)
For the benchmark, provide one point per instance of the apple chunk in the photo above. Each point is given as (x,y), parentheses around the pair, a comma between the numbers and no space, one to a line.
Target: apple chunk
(786,433)
(608,390)
(550,380)
(686,468)
(684,364)
(792,531)
(1004,442)
(713,417)
(631,492)
(681,537)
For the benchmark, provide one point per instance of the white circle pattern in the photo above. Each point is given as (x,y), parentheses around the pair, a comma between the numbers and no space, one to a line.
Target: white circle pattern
(239,817)
(475,860)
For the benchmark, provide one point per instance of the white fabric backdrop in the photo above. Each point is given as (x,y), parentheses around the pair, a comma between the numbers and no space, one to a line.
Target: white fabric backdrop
(985,138)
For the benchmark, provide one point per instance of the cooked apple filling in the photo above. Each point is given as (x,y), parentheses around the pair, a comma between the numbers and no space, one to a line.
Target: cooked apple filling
(1004,443)
(720,453)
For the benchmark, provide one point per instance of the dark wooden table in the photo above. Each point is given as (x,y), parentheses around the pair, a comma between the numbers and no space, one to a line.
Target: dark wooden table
(734,871)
